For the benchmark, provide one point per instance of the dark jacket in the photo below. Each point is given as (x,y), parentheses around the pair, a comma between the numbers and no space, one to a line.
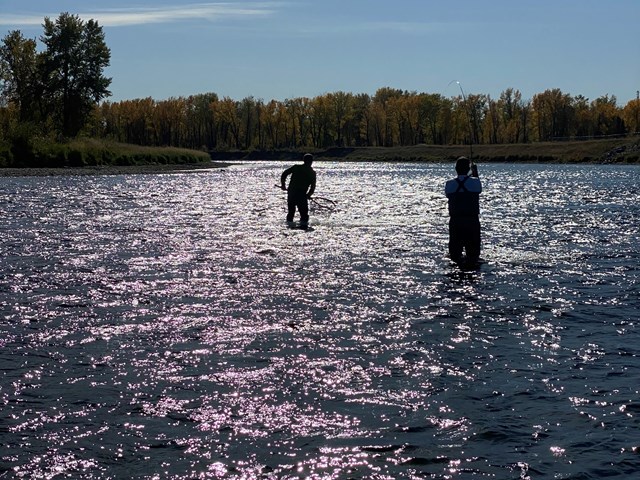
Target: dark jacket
(303,178)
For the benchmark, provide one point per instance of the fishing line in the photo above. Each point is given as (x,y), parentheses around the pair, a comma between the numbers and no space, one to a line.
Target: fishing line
(469,115)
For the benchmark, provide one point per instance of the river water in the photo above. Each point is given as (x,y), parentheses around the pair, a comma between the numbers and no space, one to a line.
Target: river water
(172,326)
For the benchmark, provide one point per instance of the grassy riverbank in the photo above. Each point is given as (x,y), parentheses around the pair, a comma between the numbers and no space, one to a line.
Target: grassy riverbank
(92,153)
(617,151)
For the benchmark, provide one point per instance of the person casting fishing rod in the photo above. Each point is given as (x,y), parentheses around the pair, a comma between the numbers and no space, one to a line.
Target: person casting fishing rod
(463,193)
(301,187)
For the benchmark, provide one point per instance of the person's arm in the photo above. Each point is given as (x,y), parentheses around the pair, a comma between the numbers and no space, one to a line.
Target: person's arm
(312,187)
(474,175)
(283,178)
(448,188)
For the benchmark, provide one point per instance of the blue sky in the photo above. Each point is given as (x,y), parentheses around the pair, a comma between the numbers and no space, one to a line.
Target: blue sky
(303,48)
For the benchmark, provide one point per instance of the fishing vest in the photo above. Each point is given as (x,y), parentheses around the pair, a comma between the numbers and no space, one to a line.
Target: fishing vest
(462,202)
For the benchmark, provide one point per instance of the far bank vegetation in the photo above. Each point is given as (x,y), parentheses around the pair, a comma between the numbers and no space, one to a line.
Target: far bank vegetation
(389,122)
(390,118)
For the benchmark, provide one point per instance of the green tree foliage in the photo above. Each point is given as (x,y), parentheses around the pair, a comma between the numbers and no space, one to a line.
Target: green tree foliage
(19,75)
(72,70)
(61,85)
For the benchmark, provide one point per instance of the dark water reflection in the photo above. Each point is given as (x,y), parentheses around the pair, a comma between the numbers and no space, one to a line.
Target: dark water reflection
(170,326)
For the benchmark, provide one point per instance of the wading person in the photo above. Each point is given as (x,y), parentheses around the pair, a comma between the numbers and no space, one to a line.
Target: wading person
(463,193)
(301,187)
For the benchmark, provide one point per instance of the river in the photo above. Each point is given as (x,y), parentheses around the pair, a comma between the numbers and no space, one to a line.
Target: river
(172,326)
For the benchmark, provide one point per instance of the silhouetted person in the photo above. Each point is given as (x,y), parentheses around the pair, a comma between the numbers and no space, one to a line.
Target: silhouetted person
(463,193)
(301,187)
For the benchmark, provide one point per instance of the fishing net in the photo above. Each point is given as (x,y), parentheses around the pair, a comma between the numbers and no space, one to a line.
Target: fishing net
(322,205)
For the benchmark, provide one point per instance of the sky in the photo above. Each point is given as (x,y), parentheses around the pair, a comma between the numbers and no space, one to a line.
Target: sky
(305,48)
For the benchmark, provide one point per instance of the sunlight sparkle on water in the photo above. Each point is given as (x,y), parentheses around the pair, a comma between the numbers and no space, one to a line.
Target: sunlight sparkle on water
(170,326)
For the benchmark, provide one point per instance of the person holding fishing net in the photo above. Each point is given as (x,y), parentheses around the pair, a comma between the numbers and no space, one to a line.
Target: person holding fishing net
(301,187)
(463,193)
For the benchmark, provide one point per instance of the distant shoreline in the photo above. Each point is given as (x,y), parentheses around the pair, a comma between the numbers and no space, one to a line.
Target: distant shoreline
(624,151)
(111,170)
(607,151)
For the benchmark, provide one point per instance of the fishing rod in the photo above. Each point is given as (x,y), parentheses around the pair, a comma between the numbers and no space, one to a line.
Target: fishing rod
(469,115)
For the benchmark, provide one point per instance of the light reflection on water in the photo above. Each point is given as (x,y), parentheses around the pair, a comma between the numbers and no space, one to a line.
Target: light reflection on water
(170,326)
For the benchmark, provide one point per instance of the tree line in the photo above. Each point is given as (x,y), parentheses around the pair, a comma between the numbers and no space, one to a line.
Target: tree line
(61,93)
(390,117)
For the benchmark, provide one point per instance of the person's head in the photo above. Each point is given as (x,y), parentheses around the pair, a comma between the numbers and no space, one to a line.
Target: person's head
(307,159)
(462,166)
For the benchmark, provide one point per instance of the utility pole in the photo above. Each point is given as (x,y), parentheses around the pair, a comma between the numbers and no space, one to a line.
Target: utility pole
(637,109)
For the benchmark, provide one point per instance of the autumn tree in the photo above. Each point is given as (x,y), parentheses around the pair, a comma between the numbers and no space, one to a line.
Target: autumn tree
(434,110)
(277,124)
(320,122)
(361,121)
(461,122)
(407,113)
(341,113)
(391,117)
(200,123)
(304,122)
(631,115)
(385,103)
(248,112)
(606,118)
(553,111)
(511,109)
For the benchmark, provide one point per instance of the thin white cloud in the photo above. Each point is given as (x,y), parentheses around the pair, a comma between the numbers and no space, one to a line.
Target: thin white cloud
(405,28)
(21,20)
(163,14)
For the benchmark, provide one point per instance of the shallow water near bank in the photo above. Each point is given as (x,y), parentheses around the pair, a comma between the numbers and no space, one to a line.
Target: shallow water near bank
(172,326)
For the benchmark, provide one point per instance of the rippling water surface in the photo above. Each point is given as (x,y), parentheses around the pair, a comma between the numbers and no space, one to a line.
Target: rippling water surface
(171,326)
